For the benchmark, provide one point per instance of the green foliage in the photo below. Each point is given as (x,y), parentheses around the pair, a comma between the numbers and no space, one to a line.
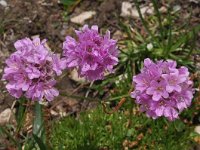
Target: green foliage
(95,130)
(168,40)
(68,2)
(27,141)
(37,139)
(21,113)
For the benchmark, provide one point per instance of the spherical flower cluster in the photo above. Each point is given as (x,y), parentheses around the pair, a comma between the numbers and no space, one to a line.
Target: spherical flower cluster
(162,89)
(92,54)
(30,71)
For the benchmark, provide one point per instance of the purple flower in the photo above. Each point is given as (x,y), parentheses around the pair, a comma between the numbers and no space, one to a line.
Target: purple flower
(161,89)
(173,80)
(58,64)
(31,70)
(143,81)
(157,90)
(92,54)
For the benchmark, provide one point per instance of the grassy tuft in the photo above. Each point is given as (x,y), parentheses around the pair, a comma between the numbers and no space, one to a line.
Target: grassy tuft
(96,130)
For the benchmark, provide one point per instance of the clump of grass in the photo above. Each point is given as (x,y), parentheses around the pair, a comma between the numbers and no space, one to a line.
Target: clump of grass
(97,130)
(93,130)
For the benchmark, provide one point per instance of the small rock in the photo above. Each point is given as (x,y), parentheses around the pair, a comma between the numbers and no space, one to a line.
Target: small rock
(44,103)
(197,129)
(74,76)
(6,116)
(163,9)
(176,8)
(148,9)
(63,114)
(80,19)
(144,10)
(118,35)
(3,3)
(62,111)
(54,113)
(195,1)
(128,10)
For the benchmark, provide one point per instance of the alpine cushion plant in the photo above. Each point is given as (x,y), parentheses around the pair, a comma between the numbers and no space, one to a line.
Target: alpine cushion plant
(31,70)
(162,89)
(92,54)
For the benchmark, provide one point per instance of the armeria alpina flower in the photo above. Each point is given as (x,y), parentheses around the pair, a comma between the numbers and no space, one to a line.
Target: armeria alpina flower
(31,70)
(92,54)
(162,89)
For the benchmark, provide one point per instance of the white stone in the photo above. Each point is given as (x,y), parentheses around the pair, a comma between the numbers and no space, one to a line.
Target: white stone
(54,113)
(195,1)
(81,18)
(163,9)
(150,46)
(197,129)
(176,8)
(3,3)
(127,10)
(5,116)
(74,76)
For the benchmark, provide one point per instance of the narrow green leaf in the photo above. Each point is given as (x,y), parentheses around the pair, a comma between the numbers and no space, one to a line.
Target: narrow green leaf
(21,113)
(38,124)
(40,142)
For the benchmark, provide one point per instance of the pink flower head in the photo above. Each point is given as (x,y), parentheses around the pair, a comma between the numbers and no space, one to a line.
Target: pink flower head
(31,70)
(162,89)
(92,54)
(157,90)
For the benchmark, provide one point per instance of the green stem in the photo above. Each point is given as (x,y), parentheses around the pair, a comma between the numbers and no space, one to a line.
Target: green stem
(118,97)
